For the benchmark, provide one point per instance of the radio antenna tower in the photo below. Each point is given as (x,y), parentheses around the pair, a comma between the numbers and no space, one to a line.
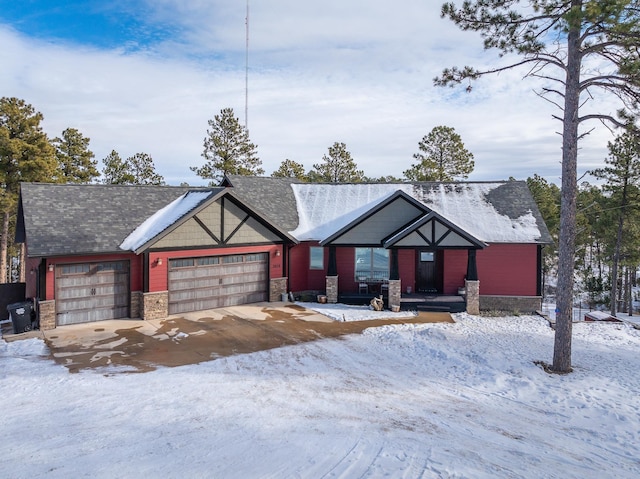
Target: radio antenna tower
(246,74)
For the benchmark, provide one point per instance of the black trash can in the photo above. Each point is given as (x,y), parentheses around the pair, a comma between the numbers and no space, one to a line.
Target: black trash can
(20,315)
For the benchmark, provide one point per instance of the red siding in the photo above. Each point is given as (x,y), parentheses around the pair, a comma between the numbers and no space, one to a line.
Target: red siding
(346,259)
(508,269)
(299,267)
(503,269)
(455,270)
(159,273)
(407,268)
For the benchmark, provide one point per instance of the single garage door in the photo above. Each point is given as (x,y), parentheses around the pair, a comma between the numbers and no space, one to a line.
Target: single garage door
(92,292)
(211,282)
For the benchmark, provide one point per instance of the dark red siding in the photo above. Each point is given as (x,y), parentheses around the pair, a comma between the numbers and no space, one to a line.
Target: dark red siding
(407,269)
(508,269)
(455,270)
(503,269)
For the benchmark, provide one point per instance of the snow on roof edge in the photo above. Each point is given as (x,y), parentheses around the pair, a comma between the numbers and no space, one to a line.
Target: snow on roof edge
(163,218)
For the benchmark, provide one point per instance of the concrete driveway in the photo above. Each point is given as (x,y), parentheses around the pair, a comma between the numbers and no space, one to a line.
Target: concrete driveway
(140,346)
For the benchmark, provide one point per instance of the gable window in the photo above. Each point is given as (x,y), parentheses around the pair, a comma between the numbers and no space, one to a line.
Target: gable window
(372,264)
(316,257)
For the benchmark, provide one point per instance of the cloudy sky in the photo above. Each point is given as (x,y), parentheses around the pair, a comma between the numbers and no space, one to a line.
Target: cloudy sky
(147,75)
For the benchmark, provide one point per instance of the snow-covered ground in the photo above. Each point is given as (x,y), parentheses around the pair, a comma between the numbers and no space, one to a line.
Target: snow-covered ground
(430,400)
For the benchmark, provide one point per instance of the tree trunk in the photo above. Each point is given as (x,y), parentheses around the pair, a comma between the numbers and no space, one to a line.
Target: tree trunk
(22,277)
(566,251)
(614,267)
(4,244)
(631,276)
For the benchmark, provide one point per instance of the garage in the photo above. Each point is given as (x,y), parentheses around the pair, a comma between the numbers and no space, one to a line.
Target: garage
(88,292)
(211,282)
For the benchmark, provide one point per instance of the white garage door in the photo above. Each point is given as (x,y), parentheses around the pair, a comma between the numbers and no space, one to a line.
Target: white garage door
(92,292)
(211,282)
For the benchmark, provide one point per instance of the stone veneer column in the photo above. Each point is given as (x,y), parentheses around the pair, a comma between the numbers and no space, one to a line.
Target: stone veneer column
(135,306)
(277,287)
(47,314)
(472,290)
(155,305)
(332,289)
(395,292)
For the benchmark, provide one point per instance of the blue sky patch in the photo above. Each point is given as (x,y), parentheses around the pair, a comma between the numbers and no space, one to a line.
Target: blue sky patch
(115,24)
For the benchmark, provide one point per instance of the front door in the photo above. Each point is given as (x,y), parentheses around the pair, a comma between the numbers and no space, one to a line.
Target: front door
(427,271)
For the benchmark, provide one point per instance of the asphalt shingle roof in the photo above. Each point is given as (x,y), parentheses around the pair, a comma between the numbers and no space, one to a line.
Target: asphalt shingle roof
(71,219)
(65,219)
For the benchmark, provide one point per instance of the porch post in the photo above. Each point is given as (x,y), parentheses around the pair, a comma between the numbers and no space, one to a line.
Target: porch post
(472,269)
(395,271)
(395,285)
(471,284)
(332,269)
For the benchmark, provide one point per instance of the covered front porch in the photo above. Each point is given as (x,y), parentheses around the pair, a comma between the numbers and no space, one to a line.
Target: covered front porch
(412,301)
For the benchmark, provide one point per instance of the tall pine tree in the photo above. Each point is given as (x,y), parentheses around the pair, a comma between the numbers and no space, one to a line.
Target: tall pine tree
(442,157)
(26,154)
(577,49)
(227,150)
(337,167)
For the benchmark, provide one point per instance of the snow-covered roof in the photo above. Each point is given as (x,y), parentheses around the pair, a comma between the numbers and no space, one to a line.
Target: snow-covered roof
(493,212)
(164,218)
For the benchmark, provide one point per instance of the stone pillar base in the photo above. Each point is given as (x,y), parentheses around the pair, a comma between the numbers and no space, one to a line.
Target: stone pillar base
(395,292)
(332,289)
(155,305)
(135,306)
(47,311)
(472,289)
(277,287)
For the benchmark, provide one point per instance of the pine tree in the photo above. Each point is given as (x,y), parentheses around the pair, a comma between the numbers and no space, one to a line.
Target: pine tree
(227,150)
(622,181)
(574,48)
(442,157)
(143,170)
(337,167)
(26,154)
(290,169)
(75,159)
(116,170)
(135,170)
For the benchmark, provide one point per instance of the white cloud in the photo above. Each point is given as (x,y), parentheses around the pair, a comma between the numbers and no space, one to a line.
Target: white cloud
(358,72)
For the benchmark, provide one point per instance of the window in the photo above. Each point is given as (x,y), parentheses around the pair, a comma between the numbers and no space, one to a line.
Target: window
(316,257)
(75,269)
(232,259)
(427,256)
(181,263)
(372,264)
(255,257)
(209,260)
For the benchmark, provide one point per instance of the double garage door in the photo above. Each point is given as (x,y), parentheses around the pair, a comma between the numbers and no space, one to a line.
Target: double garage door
(89,292)
(211,282)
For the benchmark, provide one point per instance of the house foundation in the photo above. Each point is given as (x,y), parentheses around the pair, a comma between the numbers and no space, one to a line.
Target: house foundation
(332,289)
(47,311)
(472,289)
(395,292)
(155,305)
(277,287)
(514,304)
